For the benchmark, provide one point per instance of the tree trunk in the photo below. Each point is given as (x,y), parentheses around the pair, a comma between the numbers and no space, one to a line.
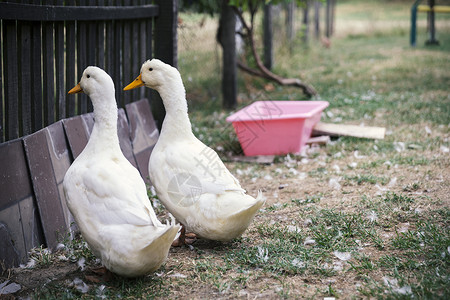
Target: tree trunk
(262,71)
(328,18)
(227,38)
(268,37)
(306,23)
(290,24)
(317,5)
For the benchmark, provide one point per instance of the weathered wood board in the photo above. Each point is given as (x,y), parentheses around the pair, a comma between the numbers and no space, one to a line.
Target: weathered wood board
(78,130)
(49,158)
(123,130)
(33,209)
(20,228)
(144,134)
(319,140)
(349,130)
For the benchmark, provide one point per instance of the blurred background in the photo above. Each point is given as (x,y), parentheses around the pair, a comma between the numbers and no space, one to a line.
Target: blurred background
(366,68)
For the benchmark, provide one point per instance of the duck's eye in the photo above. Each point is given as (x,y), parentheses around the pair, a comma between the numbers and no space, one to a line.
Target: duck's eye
(151,69)
(88,76)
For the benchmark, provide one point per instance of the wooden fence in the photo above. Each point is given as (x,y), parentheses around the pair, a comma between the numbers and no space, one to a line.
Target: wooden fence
(44,49)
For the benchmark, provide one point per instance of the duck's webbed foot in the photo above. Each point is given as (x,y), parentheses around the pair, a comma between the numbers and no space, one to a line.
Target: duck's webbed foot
(101,274)
(184,238)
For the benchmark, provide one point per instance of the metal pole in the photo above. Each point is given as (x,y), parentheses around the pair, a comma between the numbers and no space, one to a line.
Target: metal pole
(432,30)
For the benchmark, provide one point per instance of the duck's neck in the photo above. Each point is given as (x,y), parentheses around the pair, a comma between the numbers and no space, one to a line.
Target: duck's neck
(104,133)
(176,121)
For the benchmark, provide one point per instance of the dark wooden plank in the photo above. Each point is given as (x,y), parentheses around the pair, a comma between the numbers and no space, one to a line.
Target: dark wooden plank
(100,44)
(91,49)
(81,64)
(61,103)
(48,73)
(78,131)
(14,177)
(123,131)
(48,159)
(61,160)
(36,76)
(155,99)
(166,37)
(70,67)
(2,113)
(144,134)
(31,223)
(10,255)
(109,44)
(19,221)
(59,71)
(126,62)
(25,77)
(135,61)
(117,76)
(21,231)
(149,39)
(109,53)
(11,83)
(91,58)
(143,36)
(27,12)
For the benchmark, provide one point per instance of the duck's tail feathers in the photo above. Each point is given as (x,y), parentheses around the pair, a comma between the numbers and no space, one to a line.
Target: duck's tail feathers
(164,238)
(260,198)
(173,222)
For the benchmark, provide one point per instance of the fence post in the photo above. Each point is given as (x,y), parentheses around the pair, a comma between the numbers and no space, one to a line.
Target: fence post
(330,11)
(317,19)
(431,26)
(166,42)
(328,19)
(290,22)
(306,23)
(227,39)
(268,37)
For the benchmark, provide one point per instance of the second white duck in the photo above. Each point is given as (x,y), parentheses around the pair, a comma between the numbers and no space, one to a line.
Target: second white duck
(189,177)
(107,195)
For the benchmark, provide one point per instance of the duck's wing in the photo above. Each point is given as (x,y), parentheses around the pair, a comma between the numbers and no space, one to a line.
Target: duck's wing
(117,194)
(192,165)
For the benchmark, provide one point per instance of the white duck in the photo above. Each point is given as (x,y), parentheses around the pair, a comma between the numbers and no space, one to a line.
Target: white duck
(107,195)
(189,177)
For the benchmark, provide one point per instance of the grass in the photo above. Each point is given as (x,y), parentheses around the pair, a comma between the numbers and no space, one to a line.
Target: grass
(380,231)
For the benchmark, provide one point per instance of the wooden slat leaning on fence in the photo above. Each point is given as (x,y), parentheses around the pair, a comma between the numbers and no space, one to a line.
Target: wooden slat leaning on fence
(45,47)
(33,210)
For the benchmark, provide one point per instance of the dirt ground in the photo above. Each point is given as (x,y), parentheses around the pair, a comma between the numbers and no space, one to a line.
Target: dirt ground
(288,179)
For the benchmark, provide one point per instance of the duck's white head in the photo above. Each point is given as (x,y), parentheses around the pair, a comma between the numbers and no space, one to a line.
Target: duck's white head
(156,75)
(94,82)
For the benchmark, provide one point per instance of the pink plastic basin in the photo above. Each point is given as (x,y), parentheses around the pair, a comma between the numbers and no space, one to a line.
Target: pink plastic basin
(276,127)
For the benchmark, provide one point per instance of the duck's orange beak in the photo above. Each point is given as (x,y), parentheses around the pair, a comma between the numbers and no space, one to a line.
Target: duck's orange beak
(76,89)
(135,84)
